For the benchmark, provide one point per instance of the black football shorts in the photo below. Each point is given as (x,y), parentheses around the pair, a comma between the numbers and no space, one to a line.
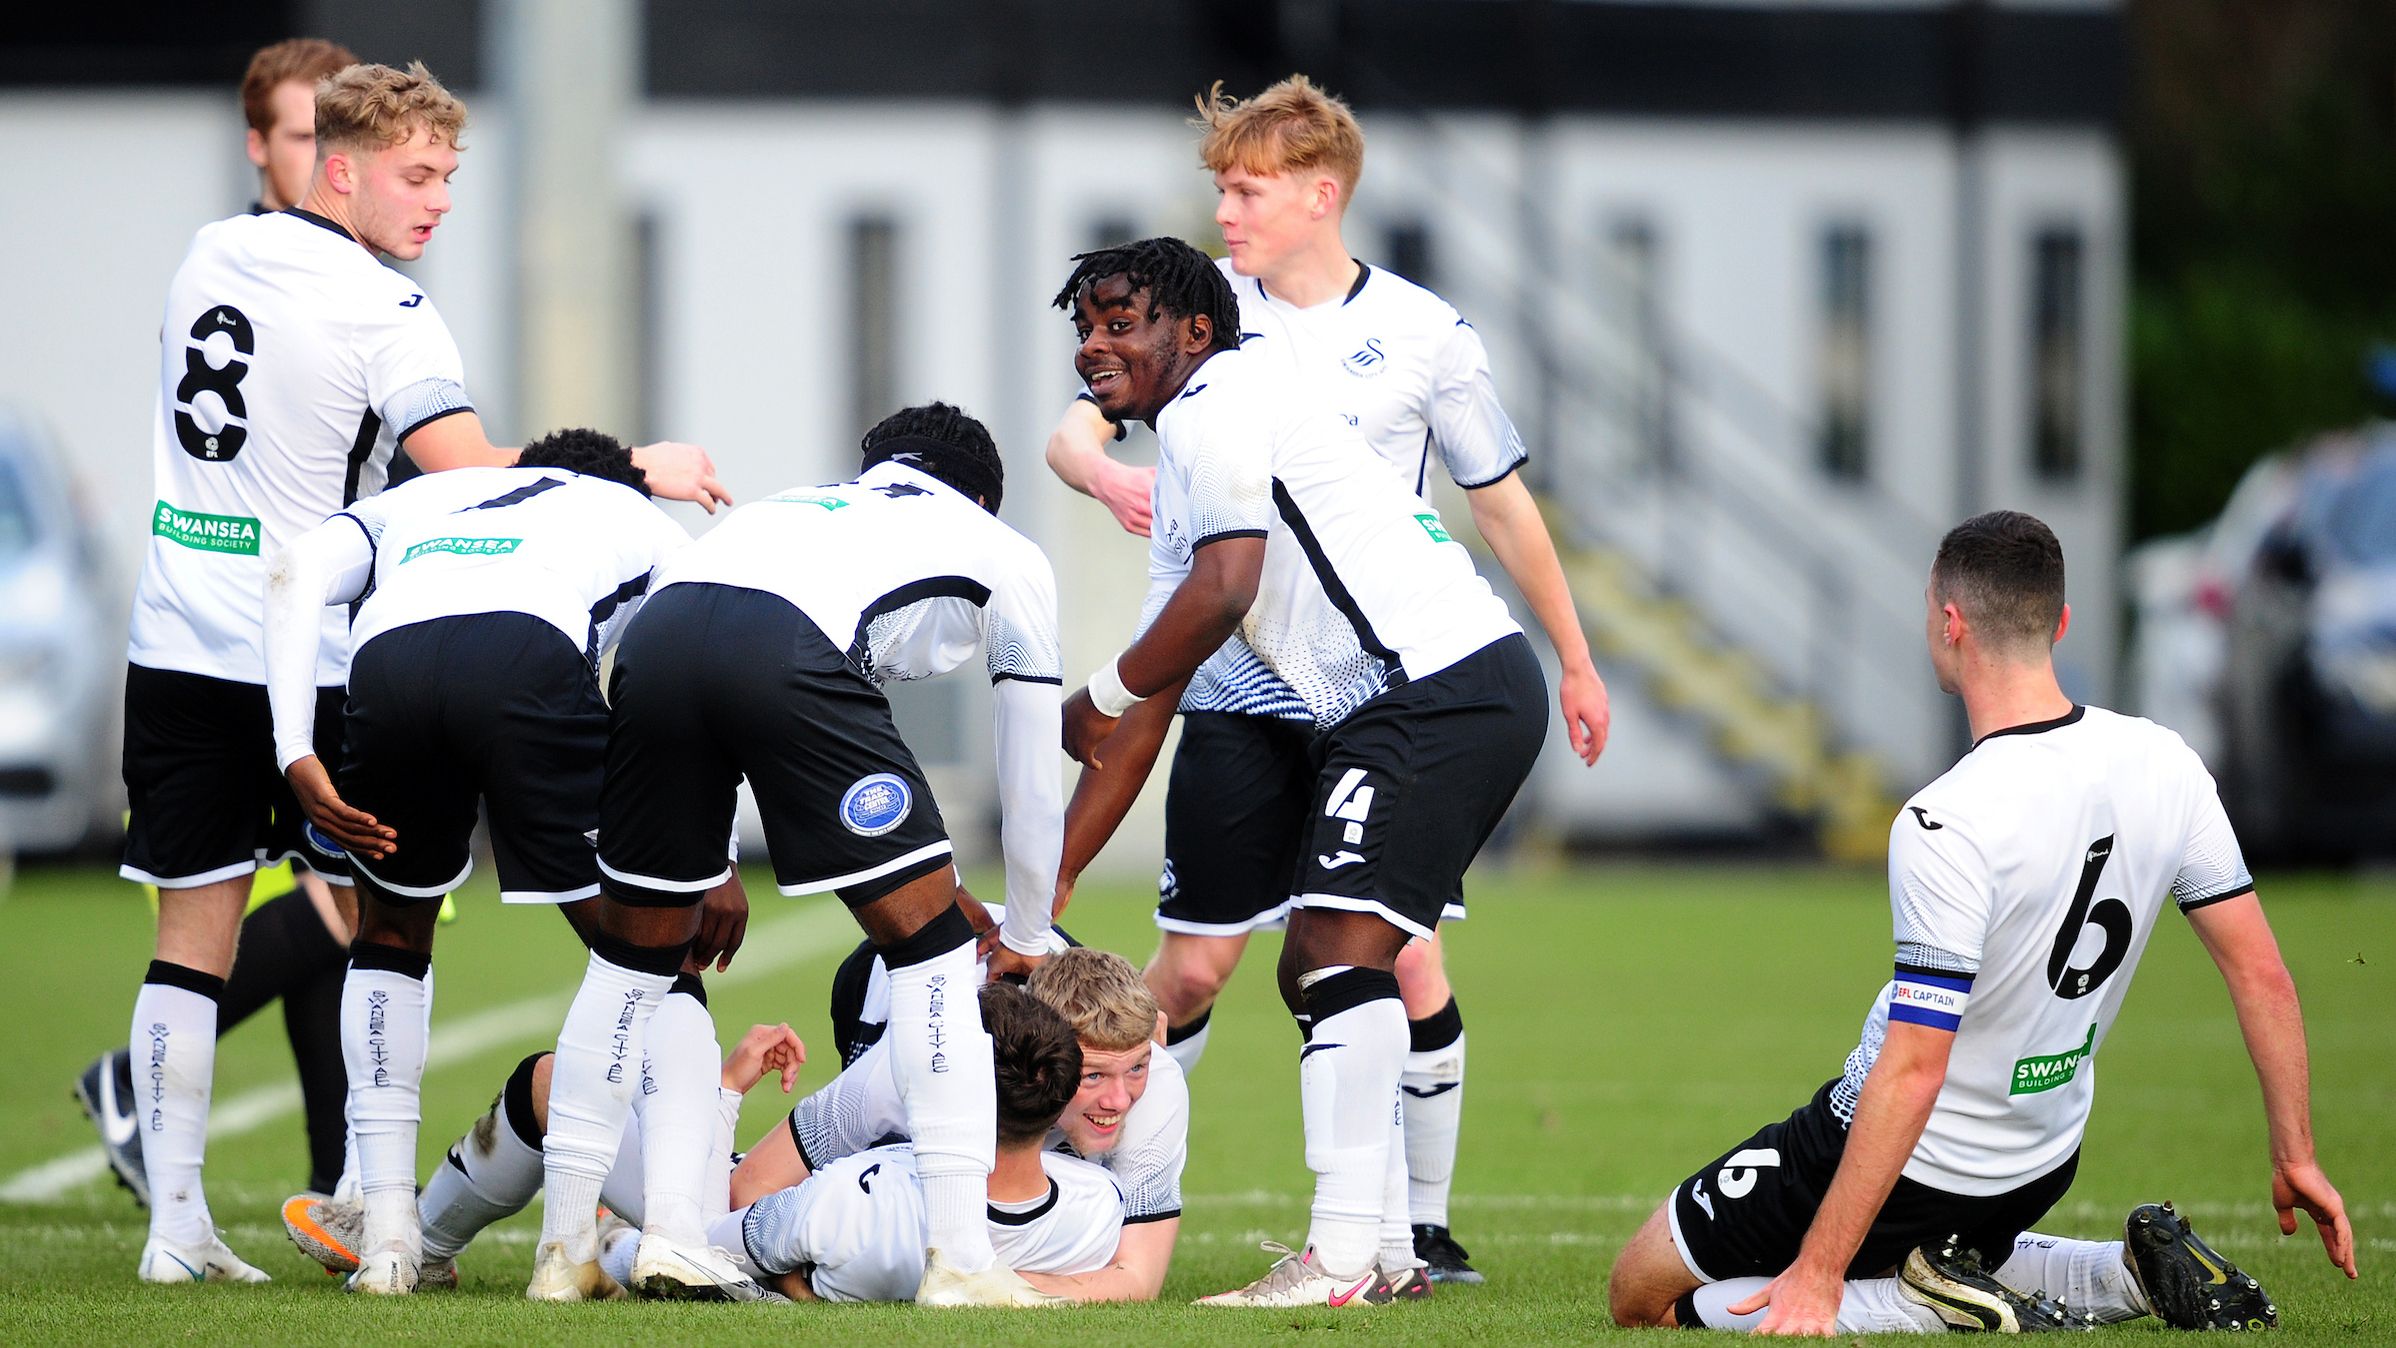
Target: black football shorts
(499,708)
(713,683)
(208,803)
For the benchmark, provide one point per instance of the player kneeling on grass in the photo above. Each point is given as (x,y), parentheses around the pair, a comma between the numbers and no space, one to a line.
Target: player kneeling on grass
(489,595)
(2025,883)
(493,1171)
(1131,1115)
(855,1229)
(761,654)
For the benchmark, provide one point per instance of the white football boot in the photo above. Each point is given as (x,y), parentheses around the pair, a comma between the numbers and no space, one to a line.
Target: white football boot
(1297,1280)
(996,1285)
(390,1270)
(555,1277)
(666,1270)
(164,1260)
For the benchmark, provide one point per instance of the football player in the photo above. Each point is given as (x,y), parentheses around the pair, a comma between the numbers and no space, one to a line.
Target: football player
(1277,522)
(2025,884)
(1412,377)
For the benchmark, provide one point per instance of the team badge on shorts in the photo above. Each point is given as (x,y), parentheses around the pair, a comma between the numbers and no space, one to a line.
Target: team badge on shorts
(321,840)
(876,805)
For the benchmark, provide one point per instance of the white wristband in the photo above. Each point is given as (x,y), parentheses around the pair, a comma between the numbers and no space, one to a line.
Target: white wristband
(1107,692)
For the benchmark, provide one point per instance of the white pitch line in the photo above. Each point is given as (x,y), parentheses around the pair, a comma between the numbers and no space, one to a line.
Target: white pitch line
(769,948)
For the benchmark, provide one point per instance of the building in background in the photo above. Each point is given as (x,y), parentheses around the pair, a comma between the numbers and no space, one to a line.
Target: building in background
(1776,292)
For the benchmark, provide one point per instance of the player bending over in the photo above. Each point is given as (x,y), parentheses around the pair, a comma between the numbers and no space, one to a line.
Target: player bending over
(294,365)
(854,1230)
(1131,1115)
(1410,375)
(2025,882)
(1276,522)
(486,598)
(761,653)
(493,1171)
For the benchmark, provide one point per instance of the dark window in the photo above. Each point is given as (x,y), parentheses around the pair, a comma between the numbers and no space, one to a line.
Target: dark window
(1630,282)
(1846,351)
(1108,230)
(2057,368)
(873,321)
(1406,246)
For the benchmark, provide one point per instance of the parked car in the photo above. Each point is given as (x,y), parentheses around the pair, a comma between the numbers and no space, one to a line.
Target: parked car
(2308,686)
(61,655)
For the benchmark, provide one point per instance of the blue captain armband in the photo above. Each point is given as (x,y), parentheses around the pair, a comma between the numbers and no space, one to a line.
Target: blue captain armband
(1932,997)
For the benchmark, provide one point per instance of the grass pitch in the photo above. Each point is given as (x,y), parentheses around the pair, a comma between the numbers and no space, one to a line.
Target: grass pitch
(1626,1026)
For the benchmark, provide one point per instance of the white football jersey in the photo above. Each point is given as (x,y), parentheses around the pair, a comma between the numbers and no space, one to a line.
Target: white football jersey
(2025,883)
(574,551)
(909,576)
(292,363)
(859,1222)
(1362,587)
(1411,376)
(862,1107)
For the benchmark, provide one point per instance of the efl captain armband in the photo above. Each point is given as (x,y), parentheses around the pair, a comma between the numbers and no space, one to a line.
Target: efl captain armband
(1931,997)
(1107,692)
(1085,396)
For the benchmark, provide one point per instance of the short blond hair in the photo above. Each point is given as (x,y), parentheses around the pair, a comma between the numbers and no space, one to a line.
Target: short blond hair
(373,107)
(1290,127)
(1100,995)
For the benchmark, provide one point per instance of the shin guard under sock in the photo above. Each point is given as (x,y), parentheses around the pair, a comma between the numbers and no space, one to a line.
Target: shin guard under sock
(941,1059)
(682,1070)
(1434,1087)
(591,1086)
(383,1008)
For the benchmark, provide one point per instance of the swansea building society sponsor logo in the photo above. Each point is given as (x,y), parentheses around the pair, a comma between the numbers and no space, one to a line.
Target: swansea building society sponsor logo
(465,547)
(875,805)
(2032,1075)
(236,534)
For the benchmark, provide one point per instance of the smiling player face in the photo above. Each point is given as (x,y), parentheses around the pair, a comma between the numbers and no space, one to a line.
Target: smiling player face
(1111,1084)
(401,193)
(1133,357)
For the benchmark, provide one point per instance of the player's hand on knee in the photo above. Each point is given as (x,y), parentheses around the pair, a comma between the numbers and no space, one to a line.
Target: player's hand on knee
(1086,728)
(354,829)
(1801,1304)
(723,924)
(2302,1185)
(680,472)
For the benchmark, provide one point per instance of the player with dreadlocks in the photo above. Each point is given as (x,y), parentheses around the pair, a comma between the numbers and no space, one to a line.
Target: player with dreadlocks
(1278,531)
(1411,375)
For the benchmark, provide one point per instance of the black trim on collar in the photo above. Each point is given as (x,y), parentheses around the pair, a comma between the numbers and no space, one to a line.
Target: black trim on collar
(320,222)
(1364,272)
(1047,1205)
(2036,727)
(257,208)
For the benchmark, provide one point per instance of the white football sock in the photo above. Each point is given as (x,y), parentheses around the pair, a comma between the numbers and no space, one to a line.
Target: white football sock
(174,1067)
(2086,1275)
(591,1085)
(942,1061)
(1397,1232)
(1434,1087)
(624,1191)
(1348,1089)
(1866,1306)
(724,1233)
(1188,1049)
(682,1069)
(491,1173)
(383,1018)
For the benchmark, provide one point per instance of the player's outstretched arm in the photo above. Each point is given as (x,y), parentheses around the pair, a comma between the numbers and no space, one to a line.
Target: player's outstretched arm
(1509,519)
(1137,1273)
(1889,1116)
(677,472)
(1204,611)
(2239,938)
(329,564)
(1103,795)
(1077,455)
